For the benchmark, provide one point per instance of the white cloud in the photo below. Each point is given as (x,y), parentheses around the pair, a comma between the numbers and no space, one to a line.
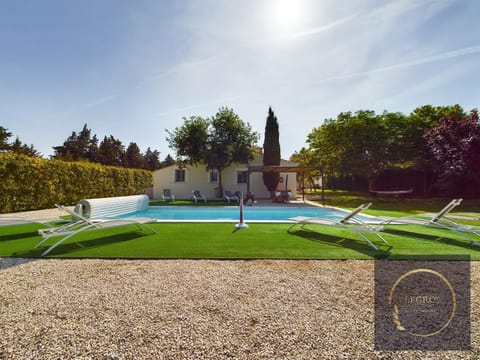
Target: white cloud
(420,61)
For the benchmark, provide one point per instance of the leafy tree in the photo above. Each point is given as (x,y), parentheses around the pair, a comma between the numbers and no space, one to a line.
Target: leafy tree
(133,157)
(67,151)
(230,141)
(362,144)
(152,160)
(366,152)
(92,151)
(111,152)
(190,140)
(413,144)
(454,146)
(217,142)
(419,121)
(326,146)
(169,161)
(306,157)
(4,136)
(77,146)
(271,151)
(19,148)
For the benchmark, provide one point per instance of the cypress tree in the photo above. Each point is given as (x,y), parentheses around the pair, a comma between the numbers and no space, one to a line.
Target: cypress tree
(271,150)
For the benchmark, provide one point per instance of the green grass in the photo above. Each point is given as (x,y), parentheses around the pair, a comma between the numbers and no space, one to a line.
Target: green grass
(270,241)
(390,206)
(222,241)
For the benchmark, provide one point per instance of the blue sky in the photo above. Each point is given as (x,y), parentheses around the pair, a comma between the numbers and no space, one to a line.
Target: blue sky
(135,68)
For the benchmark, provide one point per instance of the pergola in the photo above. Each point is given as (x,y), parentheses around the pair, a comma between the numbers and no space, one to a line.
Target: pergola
(286,169)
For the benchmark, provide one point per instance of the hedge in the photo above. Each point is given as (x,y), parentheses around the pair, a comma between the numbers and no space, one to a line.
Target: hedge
(29,183)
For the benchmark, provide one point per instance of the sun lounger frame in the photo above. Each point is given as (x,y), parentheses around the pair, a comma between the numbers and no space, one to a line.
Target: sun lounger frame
(109,207)
(348,222)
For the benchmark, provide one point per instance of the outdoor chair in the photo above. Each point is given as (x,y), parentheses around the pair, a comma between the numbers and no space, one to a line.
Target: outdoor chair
(439,221)
(95,214)
(227,195)
(168,195)
(349,222)
(86,224)
(280,196)
(196,195)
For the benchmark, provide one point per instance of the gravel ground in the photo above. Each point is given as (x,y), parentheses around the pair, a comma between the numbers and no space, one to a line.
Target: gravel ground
(185,309)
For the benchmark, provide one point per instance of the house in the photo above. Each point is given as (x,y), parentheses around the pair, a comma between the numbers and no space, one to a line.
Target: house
(182,181)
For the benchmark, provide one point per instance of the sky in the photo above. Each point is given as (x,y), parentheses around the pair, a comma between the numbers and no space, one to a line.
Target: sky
(136,68)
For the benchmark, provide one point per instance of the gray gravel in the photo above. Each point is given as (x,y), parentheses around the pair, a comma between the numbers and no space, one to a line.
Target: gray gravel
(184,309)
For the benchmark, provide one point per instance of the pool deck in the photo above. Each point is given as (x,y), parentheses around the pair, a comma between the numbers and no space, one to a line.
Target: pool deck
(40,215)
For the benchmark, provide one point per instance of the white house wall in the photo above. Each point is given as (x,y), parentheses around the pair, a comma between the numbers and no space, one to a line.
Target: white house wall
(197,178)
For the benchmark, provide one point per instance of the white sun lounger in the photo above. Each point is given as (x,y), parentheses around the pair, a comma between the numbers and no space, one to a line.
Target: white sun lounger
(349,222)
(440,221)
(81,223)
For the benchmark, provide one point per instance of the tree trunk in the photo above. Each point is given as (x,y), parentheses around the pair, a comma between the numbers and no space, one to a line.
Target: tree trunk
(220,182)
(370,183)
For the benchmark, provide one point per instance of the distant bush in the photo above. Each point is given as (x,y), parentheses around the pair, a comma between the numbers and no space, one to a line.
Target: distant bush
(29,183)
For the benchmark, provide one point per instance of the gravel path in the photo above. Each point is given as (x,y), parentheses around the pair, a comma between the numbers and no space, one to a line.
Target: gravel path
(184,309)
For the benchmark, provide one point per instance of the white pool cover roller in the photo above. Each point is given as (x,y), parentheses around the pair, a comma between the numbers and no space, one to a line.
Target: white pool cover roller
(111,206)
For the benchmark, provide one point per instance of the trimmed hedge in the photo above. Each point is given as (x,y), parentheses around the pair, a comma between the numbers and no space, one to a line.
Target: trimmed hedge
(28,183)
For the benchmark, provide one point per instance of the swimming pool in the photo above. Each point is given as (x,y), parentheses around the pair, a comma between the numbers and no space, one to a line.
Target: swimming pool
(231,213)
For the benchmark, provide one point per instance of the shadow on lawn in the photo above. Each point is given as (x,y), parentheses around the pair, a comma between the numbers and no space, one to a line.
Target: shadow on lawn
(74,246)
(19,232)
(465,243)
(18,236)
(359,245)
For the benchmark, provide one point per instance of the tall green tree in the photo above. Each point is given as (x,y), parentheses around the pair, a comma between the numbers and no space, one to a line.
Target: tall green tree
(111,152)
(152,160)
(190,140)
(92,151)
(133,157)
(4,136)
(217,142)
(169,161)
(230,141)
(326,147)
(361,144)
(76,147)
(271,151)
(19,148)
(365,144)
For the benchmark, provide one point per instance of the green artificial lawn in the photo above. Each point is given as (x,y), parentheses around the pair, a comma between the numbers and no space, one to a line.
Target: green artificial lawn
(389,205)
(271,241)
(223,241)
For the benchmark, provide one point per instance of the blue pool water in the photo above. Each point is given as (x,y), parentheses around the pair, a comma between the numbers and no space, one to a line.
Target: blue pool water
(231,213)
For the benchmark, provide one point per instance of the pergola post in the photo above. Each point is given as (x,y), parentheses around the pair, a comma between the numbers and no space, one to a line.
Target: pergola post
(323,188)
(303,186)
